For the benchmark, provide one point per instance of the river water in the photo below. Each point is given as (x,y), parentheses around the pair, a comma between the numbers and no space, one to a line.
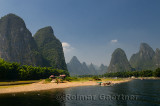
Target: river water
(133,93)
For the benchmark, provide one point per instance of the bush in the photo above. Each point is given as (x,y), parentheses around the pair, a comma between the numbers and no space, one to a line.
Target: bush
(156,73)
(48,80)
(71,79)
(68,79)
(96,78)
(144,73)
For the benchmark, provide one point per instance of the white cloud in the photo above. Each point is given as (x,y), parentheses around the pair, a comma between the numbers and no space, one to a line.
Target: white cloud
(114,41)
(66,47)
(65,44)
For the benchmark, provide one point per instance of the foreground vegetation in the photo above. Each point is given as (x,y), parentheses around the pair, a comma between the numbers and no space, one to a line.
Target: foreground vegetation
(14,71)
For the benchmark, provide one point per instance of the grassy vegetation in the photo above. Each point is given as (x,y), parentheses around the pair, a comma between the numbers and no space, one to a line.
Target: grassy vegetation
(48,80)
(73,79)
(10,86)
(84,79)
(113,79)
(18,82)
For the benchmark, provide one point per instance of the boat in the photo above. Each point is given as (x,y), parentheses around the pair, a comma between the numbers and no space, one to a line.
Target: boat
(99,83)
(105,83)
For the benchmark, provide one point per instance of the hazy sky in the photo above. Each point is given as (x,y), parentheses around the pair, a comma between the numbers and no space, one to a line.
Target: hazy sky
(92,29)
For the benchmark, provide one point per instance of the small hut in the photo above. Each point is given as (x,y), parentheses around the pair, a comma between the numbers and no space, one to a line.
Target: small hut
(52,76)
(62,76)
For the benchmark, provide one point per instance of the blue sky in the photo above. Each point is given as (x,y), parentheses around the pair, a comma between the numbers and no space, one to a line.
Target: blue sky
(92,29)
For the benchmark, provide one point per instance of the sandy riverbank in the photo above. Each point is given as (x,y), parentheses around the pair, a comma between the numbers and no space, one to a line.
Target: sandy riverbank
(41,86)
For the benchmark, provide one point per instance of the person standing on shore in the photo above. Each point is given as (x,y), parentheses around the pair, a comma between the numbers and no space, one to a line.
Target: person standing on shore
(57,80)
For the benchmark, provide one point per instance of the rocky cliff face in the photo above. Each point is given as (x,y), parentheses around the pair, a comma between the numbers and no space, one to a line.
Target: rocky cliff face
(119,62)
(17,43)
(144,59)
(50,47)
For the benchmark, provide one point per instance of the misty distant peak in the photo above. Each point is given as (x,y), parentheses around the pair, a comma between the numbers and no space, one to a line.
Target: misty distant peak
(102,65)
(77,68)
(157,50)
(74,58)
(84,63)
(91,65)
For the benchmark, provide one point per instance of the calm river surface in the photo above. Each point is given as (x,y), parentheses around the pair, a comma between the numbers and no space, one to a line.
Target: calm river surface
(133,93)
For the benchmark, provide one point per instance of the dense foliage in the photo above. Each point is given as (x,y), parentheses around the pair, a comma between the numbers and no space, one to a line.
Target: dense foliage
(50,47)
(145,73)
(14,71)
(157,72)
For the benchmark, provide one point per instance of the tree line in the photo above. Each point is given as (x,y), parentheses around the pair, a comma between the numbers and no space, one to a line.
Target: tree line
(144,73)
(15,71)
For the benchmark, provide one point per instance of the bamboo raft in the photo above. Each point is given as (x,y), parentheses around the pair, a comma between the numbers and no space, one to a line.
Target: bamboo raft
(105,83)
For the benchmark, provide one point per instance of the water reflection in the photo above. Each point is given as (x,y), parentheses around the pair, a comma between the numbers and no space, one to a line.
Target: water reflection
(146,91)
(39,98)
(121,93)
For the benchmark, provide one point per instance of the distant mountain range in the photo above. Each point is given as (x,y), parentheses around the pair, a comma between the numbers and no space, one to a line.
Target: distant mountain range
(18,45)
(44,49)
(145,59)
(75,67)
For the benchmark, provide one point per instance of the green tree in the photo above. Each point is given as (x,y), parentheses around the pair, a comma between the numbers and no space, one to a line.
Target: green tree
(157,73)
